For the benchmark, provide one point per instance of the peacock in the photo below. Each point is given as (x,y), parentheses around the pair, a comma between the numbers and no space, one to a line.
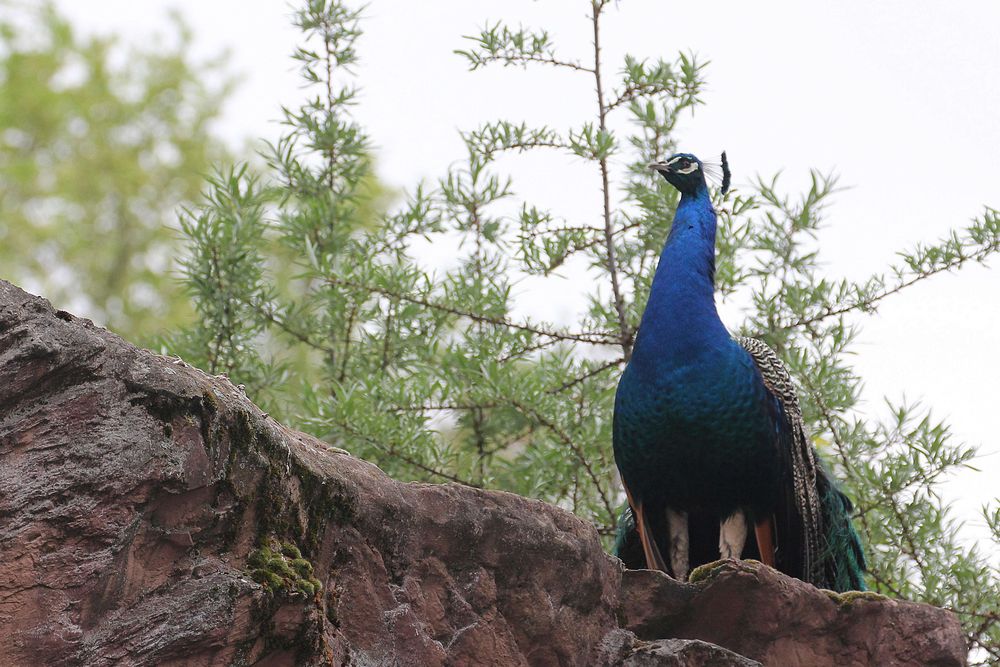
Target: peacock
(708,433)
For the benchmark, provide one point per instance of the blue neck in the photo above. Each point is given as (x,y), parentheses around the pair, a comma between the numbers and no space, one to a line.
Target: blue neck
(680,320)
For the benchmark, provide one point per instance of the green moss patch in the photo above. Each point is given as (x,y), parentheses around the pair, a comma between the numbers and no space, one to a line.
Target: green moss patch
(854,596)
(706,571)
(280,568)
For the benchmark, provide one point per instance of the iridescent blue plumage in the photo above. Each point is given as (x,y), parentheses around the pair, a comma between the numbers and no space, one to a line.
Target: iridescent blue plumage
(707,429)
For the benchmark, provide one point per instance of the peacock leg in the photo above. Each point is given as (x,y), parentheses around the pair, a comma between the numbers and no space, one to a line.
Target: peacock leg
(733,535)
(654,561)
(679,543)
(765,541)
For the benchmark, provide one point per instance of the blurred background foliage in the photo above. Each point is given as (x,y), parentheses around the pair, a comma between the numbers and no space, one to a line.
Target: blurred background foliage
(101,142)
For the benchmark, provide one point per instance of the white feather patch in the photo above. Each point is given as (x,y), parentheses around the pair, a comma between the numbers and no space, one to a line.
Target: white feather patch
(732,536)
(679,543)
(693,168)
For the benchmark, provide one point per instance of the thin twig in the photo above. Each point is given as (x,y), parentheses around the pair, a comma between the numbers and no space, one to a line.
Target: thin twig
(864,304)
(534,347)
(534,58)
(294,333)
(390,450)
(535,233)
(593,339)
(589,374)
(623,333)
(632,92)
(330,104)
(526,145)
(569,442)
(347,340)
(386,337)
(444,407)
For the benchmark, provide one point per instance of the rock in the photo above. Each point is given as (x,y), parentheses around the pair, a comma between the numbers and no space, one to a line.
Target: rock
(136,491)
(621,648)
(762,614)
(150,514)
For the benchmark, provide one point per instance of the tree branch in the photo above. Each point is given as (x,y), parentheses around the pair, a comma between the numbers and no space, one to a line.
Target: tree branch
(390,450)
(589,374)
(568,441)
(593,339)
(271,318)
(624,338)
(533,58)
(867,303)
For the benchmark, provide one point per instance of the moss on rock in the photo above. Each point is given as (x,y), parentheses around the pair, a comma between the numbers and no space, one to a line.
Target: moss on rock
(706,571)
(279,567)
(854,596)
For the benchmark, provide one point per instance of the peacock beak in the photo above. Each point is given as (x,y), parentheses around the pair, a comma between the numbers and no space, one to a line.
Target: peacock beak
(658,166)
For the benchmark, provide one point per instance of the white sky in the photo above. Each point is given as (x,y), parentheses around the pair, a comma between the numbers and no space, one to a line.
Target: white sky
(899,97)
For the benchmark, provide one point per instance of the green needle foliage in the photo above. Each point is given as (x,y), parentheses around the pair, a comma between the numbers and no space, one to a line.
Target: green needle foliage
(96,152)
(431,369)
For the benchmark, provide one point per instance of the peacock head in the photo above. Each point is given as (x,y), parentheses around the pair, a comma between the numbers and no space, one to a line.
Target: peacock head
(687,173)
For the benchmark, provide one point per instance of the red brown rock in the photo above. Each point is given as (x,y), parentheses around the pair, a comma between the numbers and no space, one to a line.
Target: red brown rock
(150,514)
(622,648)
(762,614)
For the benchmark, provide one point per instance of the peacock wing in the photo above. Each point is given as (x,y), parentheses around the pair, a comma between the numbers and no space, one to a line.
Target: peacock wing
(799,521)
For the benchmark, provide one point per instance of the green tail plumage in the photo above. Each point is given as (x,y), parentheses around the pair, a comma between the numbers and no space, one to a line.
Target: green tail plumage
(624,531)
(843,557)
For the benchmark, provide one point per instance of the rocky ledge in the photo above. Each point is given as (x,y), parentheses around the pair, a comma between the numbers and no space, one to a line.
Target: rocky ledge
(150,514)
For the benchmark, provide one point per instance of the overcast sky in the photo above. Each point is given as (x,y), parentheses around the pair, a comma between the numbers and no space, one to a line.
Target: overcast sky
(900,98)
